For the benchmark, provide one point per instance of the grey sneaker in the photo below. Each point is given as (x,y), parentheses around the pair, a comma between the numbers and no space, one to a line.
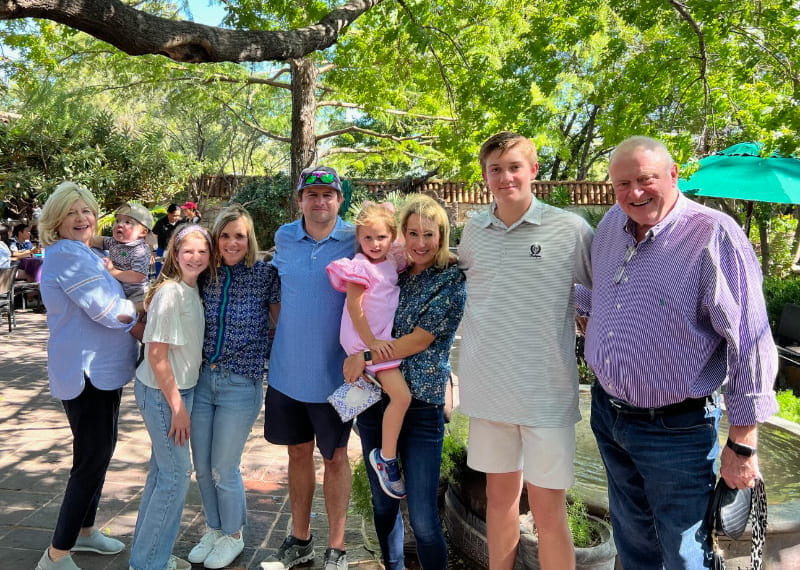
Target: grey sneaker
(66,563)
(98,543)
(291,553)
(335,559)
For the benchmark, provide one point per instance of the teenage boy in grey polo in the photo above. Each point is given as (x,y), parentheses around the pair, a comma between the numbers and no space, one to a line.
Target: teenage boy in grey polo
(518,373)
(306,367)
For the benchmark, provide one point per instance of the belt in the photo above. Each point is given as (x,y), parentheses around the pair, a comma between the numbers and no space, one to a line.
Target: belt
(688,405)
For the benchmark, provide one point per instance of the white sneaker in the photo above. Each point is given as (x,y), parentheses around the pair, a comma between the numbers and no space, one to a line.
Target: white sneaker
(202,549)
(176,563)
(225,551)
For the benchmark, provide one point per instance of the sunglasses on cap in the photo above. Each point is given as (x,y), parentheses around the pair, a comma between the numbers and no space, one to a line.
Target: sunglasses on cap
(324,177)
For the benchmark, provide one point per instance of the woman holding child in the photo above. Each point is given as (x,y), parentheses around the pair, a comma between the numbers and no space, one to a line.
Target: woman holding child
(239,304)
(91,357)
(432,296)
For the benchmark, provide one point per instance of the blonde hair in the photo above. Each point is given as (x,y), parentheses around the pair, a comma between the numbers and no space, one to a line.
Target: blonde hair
(371,214)
(505,141)
(171,270)
(428,208)
(57,207)
(226,216)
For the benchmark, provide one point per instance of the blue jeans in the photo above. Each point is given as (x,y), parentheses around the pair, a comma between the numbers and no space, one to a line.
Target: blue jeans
(225,407)
(164,492)
(661,474)
(419,449)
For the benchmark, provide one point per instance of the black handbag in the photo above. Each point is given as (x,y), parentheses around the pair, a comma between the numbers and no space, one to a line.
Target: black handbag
(728,514)
(731,509)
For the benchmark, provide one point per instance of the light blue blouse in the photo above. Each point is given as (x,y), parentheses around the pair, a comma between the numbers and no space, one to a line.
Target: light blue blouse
(83,302)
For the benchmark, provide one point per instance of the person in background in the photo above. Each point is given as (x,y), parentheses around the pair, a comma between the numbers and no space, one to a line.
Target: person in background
(306,367)
(519,379)
(240,303)
(164,390)
(87,370)
(163,230)
(190,213)
(21,241)
(20,246)
(5,252)
(676,313)
(432,296)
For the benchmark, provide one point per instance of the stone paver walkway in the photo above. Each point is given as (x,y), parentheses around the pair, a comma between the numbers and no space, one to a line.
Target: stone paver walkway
(35,457)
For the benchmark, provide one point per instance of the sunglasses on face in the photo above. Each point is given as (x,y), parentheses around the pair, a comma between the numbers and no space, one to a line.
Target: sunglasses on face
(324,177)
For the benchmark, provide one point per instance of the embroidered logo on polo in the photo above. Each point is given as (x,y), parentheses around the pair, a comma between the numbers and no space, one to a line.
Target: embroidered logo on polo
(536,250)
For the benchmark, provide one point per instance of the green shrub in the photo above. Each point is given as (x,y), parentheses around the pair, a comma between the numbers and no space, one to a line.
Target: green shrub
(788,406)
(560,197)
(777,292)
(361,496)
(583,529)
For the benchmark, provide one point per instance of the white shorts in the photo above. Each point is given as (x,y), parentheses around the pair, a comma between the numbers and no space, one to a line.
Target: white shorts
(546,455)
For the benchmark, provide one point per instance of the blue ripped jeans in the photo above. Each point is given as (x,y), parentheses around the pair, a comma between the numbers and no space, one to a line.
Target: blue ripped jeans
(225,407)
(167,482)
(419,449)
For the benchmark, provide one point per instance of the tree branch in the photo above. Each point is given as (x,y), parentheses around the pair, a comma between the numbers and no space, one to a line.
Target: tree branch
(138,33)
(393,138)
(346,105)
(683,10)
(348,150)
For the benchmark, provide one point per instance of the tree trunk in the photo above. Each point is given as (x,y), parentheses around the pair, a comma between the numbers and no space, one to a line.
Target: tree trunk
(796,238)
(763,234)
(303,150)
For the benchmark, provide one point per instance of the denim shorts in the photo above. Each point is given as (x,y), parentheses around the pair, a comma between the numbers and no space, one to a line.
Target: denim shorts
(290,422)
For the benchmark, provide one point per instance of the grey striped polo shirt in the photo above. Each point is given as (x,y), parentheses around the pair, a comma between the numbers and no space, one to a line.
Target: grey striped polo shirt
(517,361)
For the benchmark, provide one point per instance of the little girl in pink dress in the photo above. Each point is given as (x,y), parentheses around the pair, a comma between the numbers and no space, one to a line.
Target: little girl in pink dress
(370,281)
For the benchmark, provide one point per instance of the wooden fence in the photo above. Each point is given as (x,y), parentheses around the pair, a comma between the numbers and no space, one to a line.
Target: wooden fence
(581,192)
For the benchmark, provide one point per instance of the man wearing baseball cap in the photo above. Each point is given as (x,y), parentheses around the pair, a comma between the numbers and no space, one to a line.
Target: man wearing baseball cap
(128,255)
(306,367)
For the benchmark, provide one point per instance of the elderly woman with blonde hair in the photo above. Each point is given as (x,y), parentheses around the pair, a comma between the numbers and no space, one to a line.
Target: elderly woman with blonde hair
(90,357)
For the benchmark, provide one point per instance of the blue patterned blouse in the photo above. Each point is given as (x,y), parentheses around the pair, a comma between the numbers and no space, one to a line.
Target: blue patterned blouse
(237,317)
(434,301)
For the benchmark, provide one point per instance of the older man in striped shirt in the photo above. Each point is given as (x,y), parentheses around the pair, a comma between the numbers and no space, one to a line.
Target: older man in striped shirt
(677,313)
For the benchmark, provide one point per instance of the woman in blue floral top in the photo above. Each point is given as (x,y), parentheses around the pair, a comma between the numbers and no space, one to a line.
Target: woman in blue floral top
(432,296)
(239,304)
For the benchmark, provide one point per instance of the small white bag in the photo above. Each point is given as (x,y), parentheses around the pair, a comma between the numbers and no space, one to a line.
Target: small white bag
(349,400)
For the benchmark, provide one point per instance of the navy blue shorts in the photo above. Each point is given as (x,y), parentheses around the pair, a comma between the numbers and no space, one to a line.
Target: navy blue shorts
(290,422)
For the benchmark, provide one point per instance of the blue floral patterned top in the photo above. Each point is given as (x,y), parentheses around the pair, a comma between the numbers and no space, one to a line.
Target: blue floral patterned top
(434,301)
(237,317)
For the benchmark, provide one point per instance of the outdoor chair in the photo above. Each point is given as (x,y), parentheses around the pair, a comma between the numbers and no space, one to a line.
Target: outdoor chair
(787,338)
(23,289)
(7,296)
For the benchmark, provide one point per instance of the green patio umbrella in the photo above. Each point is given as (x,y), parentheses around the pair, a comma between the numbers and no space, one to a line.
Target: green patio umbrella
(740,173)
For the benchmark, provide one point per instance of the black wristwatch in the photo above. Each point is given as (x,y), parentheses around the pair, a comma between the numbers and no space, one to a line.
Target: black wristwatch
(740,448)
(368,357)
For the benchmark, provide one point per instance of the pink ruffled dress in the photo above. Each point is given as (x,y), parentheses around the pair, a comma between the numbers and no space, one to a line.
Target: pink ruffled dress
(379,302)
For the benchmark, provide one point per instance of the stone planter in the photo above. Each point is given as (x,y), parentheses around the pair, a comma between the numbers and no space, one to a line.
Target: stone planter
(468,533)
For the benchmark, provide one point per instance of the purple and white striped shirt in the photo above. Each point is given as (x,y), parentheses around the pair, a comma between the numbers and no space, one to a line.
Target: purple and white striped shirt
(680,313)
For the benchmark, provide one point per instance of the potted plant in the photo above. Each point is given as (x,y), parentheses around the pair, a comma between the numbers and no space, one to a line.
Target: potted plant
(465,514)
